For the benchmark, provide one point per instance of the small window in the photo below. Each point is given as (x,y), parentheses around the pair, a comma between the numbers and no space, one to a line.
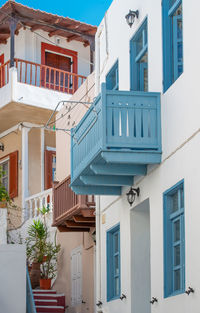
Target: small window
(113,264)
(139,59)
(174,241)
(172,41)
(4,166)
(112,78)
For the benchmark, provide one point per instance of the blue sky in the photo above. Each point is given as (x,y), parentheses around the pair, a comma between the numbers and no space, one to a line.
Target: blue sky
(88,11)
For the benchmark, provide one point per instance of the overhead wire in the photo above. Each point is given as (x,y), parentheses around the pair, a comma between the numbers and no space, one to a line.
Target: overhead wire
(43,37)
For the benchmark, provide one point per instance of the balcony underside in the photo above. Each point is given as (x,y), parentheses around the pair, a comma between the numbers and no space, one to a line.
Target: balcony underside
(106,173)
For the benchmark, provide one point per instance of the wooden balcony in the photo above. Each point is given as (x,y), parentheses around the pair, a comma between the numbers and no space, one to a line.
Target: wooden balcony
(72,212)
(116,139)
(42,76)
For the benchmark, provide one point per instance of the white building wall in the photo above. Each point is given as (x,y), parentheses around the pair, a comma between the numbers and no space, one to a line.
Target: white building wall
(180,144)
(13,278)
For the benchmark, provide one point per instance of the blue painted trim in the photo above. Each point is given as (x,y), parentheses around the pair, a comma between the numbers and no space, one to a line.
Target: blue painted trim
(30,303)
(106,180)
(114,71)
(168,240)
(111,292)
(124,169)
(97,190)
(170,66)
(135,57)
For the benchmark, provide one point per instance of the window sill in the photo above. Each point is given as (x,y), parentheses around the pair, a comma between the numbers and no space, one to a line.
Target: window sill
(177,293)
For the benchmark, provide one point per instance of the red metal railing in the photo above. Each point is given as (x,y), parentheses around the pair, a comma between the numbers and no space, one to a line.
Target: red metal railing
(66,203)
(42,76)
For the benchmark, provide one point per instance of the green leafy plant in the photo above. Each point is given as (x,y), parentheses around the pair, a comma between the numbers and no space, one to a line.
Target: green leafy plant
(39,249)
(36,241)
(49,266)
(3,192)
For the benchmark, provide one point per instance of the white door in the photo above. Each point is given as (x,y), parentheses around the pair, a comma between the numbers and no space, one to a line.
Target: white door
(76,274)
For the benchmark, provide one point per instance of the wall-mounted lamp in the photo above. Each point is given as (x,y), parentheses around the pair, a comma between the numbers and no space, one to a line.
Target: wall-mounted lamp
(132,194)
(130,17)
(1,146)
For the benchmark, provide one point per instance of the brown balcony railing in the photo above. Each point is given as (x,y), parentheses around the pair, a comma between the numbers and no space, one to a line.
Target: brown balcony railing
(66,203)
(42,76)
(4,74)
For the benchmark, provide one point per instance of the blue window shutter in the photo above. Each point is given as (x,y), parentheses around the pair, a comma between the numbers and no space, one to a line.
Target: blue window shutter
(172,42)
(138,50)
(113,264)
(143,66)
(174,240)
(112,78)
(178,46)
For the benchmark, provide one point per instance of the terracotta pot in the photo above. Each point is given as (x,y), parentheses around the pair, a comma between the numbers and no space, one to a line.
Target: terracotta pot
(3,204)
(35,275)
(44,258)
(45,283)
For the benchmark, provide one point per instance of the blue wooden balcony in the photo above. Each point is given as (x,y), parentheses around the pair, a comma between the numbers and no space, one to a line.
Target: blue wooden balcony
(116,140)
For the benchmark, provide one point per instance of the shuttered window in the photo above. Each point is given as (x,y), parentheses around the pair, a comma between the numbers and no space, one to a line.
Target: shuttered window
(50,168)
(9,166)
(172,42)
(113,264)
(76,276)
(174,240)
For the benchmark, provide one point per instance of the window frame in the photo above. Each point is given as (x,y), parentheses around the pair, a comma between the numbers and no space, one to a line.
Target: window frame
(170,73)
(111,294)
(7,160)
(135,71)
(169,242)
(114,68)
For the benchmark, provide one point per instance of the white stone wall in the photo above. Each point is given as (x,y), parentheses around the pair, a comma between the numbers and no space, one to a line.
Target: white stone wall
(180,112)
(3,226)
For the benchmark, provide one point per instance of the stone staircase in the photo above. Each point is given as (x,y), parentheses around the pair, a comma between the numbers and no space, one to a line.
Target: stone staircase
(48,301)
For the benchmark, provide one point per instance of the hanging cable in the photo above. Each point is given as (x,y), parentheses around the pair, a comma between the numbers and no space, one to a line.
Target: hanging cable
(43,37)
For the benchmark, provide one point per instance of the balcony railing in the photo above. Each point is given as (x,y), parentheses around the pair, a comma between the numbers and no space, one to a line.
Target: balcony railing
(34,203)
(40,75)
(121,129)
(4,74)
(66,203)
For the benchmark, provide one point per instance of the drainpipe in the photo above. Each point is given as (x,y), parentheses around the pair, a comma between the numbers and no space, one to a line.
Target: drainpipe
(98,252)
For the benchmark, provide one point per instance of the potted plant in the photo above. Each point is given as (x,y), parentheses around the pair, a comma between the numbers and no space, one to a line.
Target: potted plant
(49,266)
(4,197)
(35,247)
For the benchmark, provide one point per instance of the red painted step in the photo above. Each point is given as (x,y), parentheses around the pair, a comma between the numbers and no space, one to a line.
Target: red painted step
(60,298)
(50,309)
(42,302)
(40,291)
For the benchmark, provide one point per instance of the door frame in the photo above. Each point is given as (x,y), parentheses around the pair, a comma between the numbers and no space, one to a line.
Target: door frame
(58,50)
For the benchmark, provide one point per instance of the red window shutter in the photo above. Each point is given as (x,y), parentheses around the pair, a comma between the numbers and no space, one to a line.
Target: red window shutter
(48,159)
(13,174)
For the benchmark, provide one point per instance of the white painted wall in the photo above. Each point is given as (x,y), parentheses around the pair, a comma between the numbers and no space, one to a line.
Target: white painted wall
(12,278)
(180,112)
